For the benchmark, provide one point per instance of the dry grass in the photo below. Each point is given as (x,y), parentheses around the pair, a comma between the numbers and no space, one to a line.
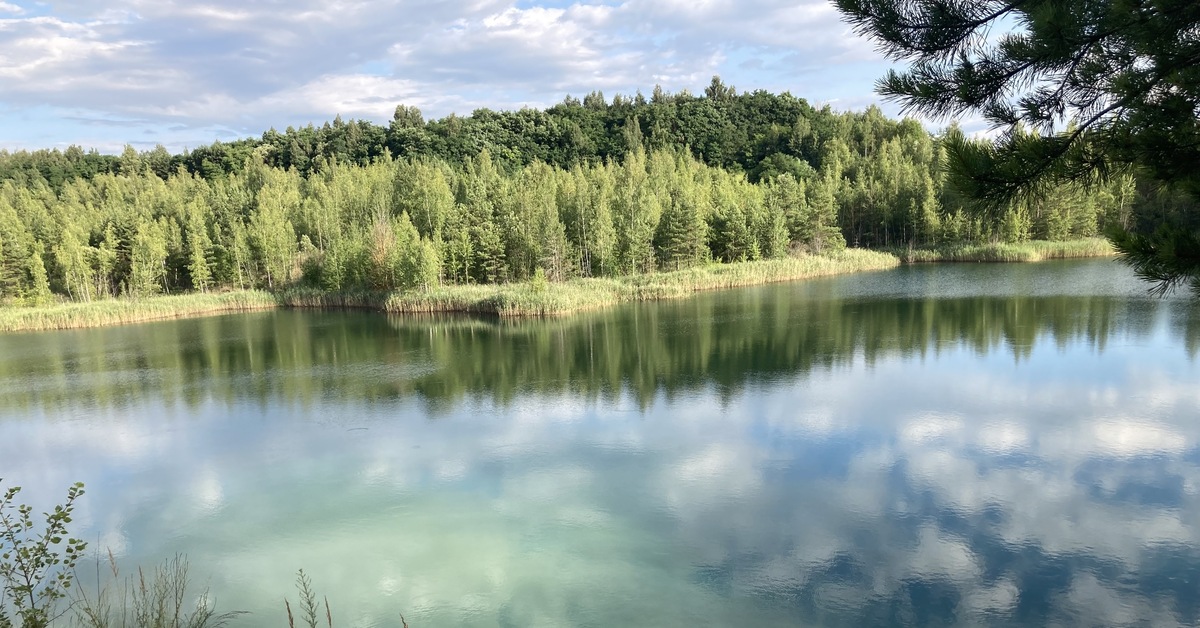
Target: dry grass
(526,299)
(158,600)
(516,299)
(1034,251)
(125,311)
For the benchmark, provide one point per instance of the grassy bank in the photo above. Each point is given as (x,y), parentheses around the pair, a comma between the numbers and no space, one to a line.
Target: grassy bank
(530,299)
(1034,251)
(124,311)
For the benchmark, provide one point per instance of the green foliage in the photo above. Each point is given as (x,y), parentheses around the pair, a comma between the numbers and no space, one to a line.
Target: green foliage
(37,559)
(1028,251)
(200,248)
(818,231)
(637,211)
(537,298)
(683,229)
(584,189)
(270,229)
(539,284)
(1167,257)
(1085,93)
(37,291)
(147,260)
(423,192)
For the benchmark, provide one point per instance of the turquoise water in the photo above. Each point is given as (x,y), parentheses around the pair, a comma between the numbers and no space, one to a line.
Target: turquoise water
(935,445)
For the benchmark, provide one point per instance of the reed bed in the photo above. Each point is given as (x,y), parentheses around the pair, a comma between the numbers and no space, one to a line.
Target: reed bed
(1072,249)
(506,300)
(125,311)
(533,299)
(1033,251)
(568,297)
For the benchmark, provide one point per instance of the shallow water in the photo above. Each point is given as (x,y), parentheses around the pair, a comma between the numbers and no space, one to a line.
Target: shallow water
(934,445)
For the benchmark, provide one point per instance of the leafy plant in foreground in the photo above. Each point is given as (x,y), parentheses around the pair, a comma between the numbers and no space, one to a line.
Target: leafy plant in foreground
(36,563)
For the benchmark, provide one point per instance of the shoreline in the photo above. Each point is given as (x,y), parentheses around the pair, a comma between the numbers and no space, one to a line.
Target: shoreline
(527,300)
(1001,253)
(524,300)
(115,312)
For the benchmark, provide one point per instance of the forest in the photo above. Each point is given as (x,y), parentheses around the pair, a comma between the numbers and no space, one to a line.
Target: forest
(591,188)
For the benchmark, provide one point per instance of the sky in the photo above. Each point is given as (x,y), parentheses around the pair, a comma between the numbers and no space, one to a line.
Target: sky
(184,73)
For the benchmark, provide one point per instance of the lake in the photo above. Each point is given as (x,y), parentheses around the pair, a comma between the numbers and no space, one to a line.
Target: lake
(935,445)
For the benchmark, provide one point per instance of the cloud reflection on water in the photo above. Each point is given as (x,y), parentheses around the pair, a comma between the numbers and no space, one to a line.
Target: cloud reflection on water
(881,484)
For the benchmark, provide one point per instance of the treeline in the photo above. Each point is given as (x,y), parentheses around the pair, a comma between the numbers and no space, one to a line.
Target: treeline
(591,188)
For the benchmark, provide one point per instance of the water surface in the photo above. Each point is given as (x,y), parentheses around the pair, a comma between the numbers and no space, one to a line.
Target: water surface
(934,445)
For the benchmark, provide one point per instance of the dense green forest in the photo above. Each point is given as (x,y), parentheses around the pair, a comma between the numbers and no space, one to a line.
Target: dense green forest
(584,188)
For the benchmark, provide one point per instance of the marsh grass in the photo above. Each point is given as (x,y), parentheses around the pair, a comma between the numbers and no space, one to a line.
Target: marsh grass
(125,311)
(576,295)
(532,298)
(158,600)
(1072,249)
(535,298)
(1033,251)
(585,294)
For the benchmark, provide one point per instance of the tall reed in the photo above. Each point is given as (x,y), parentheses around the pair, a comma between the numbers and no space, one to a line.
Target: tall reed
(159,600)
(124,311)
(535,298)
(1033,251)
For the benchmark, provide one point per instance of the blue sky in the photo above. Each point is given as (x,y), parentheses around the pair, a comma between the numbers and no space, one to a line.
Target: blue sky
(186,72)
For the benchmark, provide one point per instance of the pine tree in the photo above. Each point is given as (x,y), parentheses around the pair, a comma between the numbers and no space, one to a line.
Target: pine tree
(1119,73)
(480,186)
(820,225)
(730,234)
(770,226)
(682,239)
(489,264)
(785,197)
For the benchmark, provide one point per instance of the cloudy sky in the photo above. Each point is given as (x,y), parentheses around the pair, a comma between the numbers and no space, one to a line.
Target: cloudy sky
(187,72)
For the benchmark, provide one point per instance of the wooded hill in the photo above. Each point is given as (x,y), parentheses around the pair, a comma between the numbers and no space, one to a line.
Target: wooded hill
(584,188)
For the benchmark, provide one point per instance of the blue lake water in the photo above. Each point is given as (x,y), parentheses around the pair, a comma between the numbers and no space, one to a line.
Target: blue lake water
(934,445)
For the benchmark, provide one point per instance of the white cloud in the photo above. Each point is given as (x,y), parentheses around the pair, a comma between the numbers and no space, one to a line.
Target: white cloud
(40,48)
(251,65)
